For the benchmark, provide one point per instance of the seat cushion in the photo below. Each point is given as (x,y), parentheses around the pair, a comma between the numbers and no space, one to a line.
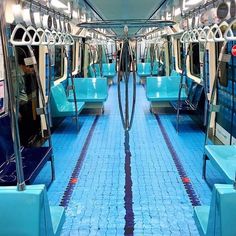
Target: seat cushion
(223,158)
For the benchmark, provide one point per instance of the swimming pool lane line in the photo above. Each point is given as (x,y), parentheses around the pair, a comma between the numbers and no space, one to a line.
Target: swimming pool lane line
(74,176)
(195,201)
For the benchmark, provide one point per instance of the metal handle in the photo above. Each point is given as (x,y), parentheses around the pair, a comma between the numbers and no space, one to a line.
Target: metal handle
(23,41)
(35,36)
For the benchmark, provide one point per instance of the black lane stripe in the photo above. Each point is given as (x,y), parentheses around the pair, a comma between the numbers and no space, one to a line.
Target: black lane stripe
(74,176)
(182,173)
(129,213)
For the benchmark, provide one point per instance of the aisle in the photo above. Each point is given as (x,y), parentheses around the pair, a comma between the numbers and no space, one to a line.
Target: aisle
(95,200)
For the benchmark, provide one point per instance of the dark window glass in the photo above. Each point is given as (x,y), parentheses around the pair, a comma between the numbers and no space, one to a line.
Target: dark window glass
(59,62)
(180,54)
(194,60)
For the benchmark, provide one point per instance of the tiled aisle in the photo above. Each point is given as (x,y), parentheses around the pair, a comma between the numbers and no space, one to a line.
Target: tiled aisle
(160,203)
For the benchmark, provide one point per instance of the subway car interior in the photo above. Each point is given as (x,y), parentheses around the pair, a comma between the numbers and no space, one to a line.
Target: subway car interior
(117,117)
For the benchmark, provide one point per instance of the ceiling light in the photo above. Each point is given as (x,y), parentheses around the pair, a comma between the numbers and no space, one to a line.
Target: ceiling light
(192,2)
(59,4)
(75,14)
(177,11)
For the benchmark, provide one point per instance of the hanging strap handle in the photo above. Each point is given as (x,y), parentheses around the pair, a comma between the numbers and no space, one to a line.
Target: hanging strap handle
(35,36)
(46,37)
(56,37)
(59,42)
(185,38)
(63,35)
(195,35)
(203,34)
(40,32)
(68,39)
(24,41)
(229,35)
(218,35)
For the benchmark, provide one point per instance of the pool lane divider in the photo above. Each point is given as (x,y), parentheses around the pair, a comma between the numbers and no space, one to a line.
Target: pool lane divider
(129,213)
(179,166)
(74,176)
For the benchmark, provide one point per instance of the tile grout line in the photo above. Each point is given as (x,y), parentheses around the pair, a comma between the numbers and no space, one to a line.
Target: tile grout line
(195,201)
(74,176)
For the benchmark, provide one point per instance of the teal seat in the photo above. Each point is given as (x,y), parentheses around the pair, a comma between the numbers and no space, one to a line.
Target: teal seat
(97,70)
(219,218)
(91,72)
(90,90)
(143,69)
(60,106)
(223,158)
(174,73)
(155,68)
(108,69)
(164,88)
(27,213)
(94,71)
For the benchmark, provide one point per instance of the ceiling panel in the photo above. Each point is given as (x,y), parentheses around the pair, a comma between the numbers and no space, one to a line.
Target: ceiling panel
(125,9)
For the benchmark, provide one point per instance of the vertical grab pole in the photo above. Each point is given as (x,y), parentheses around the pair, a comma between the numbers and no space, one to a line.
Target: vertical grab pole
(134,89)
(119,92)
(127,120)
(44,104)
(69,73)
(13,114)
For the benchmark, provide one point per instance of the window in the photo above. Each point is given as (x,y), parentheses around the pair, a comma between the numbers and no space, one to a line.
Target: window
(59,62)
(180,54)
(194,59)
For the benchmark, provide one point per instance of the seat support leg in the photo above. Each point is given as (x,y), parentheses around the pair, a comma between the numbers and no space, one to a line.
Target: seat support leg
(205,158)
(53,168)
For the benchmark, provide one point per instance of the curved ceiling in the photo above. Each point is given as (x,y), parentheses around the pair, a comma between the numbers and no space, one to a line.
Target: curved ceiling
(125,10)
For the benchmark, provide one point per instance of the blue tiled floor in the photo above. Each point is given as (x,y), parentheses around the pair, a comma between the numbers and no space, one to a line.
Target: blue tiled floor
(160,203)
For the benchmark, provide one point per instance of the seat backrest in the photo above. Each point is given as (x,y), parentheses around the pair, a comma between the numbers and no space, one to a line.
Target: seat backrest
(222,215)
(101,86)
(108,67)
(25,213)
(155,67)
(6,144)
(195,93)
(174,73)
(58,98)
(172,83)
(147,67)
(155,84)
(97,70)
(80,86)
(91,72)
(140,67)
